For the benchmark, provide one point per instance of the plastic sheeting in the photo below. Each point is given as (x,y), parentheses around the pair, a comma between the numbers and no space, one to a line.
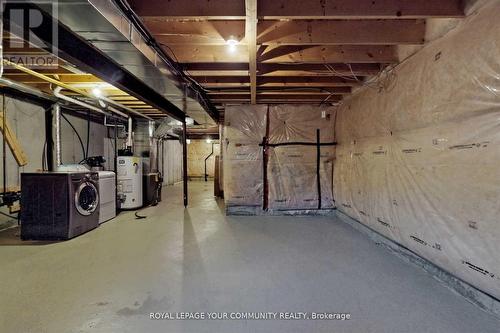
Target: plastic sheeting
(291,132)
(419,161)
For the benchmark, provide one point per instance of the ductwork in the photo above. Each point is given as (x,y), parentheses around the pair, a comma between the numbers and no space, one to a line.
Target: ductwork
(102,23)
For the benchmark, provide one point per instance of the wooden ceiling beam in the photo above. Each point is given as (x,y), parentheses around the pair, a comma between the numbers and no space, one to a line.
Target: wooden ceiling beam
(76,78)
(331,54)
(276,81)
(286,69)
(298,9)
(269,79)
(360,9)
(289,54)
(190,10)
(294,32)
(363,69)
(282,98)
(345,32)
(287,90)
(196,32)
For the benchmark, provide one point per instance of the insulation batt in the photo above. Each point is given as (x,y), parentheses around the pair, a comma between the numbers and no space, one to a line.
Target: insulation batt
(292,179)
(419,161)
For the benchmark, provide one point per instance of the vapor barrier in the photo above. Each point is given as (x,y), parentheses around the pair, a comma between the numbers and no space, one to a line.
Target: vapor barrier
(418,156)
(279,157)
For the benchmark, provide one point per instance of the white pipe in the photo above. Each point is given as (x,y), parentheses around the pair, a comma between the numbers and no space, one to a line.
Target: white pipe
(110,101)
(57,113)
(25,88)
(75,101)
(129,133)
(126,108)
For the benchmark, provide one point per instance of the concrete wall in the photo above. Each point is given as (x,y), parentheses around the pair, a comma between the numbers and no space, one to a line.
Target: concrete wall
(27,121)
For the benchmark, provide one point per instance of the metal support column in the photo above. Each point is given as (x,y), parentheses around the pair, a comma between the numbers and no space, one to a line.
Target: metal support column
(184,149)
(184,163)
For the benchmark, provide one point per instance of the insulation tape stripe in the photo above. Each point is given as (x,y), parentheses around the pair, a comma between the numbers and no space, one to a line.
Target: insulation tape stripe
(298,144)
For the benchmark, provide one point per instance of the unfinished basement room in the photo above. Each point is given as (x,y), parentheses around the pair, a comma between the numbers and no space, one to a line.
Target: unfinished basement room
(295,166)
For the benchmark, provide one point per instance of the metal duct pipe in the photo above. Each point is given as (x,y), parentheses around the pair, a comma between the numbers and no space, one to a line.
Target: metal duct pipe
(57,114)
(57,93)
(129,133)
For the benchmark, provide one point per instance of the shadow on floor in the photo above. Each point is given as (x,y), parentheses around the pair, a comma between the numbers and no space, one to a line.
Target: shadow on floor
(12,237)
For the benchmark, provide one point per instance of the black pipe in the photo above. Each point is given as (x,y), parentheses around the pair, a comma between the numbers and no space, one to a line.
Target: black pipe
(318,166)
(184,163)
(206,175)
(4,150)
(115,166)
(48,139)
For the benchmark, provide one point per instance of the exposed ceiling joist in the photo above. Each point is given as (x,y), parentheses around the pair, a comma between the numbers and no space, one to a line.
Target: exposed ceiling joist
(215,68)
(294,32)
(347,32)
(359,9)
(302,51)
(329,54)
(299,9)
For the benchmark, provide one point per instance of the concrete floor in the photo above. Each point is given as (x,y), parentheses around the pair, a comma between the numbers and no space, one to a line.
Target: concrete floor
(110,279)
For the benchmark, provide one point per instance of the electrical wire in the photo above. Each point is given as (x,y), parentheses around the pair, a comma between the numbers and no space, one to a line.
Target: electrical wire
(76,132)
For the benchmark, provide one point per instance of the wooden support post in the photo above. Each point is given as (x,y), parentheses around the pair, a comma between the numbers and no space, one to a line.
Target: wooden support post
(251,38)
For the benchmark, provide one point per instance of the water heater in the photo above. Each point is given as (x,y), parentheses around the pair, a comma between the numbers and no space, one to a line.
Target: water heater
(129,176)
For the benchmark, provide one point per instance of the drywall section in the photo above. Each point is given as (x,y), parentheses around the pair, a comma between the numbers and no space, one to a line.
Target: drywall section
(417,157)
(198,151)
(27,122)
(278,158)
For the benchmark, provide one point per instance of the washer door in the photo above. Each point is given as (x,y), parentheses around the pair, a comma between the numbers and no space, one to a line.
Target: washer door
(86,198)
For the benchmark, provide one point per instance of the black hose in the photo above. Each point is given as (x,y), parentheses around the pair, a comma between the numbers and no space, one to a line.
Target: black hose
(4,149)
(9,216)
(76,132)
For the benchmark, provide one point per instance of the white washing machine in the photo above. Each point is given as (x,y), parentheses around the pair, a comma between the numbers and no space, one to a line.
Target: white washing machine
(129,177)
(107,194)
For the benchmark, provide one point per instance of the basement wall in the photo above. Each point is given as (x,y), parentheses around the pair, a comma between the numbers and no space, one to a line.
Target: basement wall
(198,150)
(418,157)
(171,168)
(27,121)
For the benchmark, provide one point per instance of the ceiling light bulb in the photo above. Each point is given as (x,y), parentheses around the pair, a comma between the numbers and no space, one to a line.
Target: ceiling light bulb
(188,141)
(209,141)
(231,44)
(97,92)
